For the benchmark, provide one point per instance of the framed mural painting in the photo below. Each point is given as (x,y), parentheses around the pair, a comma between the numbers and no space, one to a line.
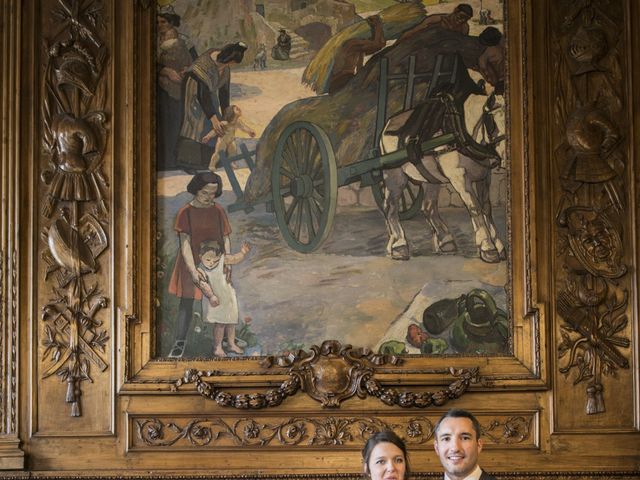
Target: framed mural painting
(338,171)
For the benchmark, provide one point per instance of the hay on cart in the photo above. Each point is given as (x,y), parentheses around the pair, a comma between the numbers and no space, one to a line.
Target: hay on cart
(349,116)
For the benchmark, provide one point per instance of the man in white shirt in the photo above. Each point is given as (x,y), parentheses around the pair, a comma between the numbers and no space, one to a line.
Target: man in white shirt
(457,443)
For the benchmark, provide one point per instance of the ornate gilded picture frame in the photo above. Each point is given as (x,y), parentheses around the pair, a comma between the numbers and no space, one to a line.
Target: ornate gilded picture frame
(317,233)
(509,355)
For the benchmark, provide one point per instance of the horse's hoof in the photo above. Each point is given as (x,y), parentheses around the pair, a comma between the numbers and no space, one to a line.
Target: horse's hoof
(400,253)
(448,247)
(490,256)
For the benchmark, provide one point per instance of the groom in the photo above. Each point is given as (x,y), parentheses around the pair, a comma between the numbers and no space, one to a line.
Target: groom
(457,443)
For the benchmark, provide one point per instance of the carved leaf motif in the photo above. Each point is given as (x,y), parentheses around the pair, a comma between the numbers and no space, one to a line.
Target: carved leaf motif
(510,430)
(51,343)
(584,364)
(616,325)
(173,426)
(100,340)
(84,370)
(566,344)
(64,373)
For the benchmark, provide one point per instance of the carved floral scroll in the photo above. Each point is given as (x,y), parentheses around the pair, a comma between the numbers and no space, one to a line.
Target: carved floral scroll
(308,431)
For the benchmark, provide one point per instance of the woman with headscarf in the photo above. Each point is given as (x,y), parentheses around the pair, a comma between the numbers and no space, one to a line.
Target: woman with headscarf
(174,55)
(206,95)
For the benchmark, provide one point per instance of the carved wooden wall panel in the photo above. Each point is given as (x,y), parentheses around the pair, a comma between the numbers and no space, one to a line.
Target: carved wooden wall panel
(82,392)
(594,244)
(73,315)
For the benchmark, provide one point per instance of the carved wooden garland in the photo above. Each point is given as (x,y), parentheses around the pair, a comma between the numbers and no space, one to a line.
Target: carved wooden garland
(331,374)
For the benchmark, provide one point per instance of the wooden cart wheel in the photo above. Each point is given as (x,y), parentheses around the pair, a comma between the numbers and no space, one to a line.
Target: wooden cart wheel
(304,184)
(410,202)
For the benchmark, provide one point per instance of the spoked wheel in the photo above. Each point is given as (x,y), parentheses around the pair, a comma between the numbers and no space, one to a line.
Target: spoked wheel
(304,184)
(410,201)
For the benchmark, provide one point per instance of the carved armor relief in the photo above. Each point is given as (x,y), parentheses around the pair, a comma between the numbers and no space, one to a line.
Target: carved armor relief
(73,323)
(593,220)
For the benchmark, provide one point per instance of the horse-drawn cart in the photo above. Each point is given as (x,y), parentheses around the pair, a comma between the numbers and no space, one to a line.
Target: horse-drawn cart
(305,177)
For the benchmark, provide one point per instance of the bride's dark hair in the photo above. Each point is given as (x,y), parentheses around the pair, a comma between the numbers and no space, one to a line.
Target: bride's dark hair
(385,436)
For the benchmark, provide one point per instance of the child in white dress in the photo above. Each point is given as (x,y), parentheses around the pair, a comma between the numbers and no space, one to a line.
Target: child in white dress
(220,306)
(231,122)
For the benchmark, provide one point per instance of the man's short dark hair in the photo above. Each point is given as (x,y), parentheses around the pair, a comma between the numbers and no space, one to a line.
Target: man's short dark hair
(459,413)
(464,8)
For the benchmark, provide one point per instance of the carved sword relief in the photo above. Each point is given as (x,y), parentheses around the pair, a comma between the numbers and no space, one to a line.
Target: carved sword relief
(75,211)
(592,214)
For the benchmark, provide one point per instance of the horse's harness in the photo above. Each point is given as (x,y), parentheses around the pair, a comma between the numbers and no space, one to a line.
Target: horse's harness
(443,111)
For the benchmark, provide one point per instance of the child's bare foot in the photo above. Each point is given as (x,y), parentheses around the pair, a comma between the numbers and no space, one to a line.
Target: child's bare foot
(236,349)
(219,352)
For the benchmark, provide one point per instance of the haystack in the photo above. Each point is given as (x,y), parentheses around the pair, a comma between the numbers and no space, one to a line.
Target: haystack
(395,20)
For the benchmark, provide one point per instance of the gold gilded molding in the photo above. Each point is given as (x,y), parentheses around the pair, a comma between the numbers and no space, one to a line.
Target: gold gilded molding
(592,213)
(330,374)
(74,211)
(325,432)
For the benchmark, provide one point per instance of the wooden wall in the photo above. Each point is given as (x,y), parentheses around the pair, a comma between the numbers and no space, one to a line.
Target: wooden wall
(80,391)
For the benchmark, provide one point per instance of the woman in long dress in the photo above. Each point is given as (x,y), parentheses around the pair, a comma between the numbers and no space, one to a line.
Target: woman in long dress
(206,95)
(174,56)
